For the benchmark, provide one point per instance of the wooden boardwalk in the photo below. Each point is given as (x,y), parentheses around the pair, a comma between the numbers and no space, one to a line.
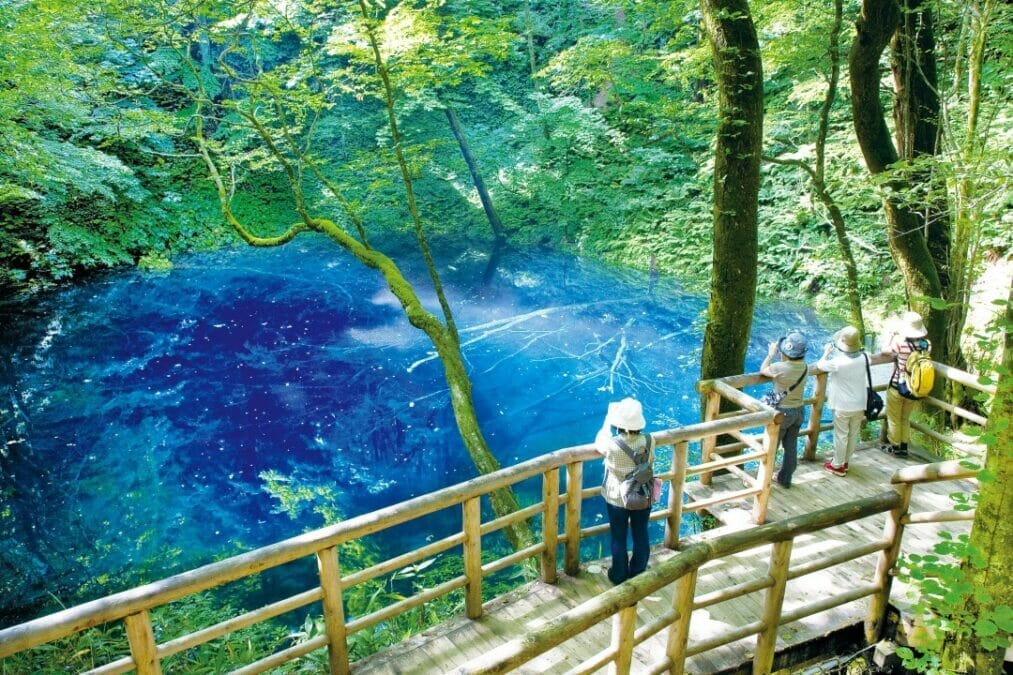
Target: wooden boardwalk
(446,647)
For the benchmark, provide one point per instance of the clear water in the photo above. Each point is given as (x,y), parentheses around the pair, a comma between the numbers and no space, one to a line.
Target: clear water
(142,410)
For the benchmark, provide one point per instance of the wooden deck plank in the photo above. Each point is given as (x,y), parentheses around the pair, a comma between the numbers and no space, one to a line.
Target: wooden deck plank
(446,647)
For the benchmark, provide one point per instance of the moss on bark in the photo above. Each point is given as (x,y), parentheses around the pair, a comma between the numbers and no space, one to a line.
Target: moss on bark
(739,70)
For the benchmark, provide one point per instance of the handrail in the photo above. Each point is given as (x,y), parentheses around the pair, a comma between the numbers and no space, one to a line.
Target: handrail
(729,389)
(141,599)
(930,473)
(132,606)
(613,601)
(680,570)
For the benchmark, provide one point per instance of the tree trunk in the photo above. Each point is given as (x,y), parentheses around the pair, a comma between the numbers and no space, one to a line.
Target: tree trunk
(992,531)
(476,177)
(964,251)
(916,114)
(876,24)
(530,39)
(739,73)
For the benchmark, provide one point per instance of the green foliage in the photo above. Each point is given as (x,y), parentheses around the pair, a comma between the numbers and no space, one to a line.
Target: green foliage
(103,644)
(946,598)
(948,603)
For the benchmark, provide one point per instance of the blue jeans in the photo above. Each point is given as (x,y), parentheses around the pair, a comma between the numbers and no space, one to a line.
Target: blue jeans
(620,521)
(788,438)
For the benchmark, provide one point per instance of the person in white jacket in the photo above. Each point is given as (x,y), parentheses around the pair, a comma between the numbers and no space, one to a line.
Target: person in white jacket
(847,394)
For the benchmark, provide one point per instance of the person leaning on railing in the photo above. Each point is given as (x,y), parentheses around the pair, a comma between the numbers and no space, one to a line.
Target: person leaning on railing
(847,394)
(626,418)
(788,375)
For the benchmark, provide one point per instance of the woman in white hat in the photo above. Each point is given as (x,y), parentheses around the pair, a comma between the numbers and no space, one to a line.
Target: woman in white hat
(847,394)
(910,338)
(623,452)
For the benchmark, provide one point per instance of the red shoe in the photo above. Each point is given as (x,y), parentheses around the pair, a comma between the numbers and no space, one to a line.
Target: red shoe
(836,470)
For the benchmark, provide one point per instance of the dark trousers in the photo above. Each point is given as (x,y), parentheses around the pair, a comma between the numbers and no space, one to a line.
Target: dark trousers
(788,437)
(622,521)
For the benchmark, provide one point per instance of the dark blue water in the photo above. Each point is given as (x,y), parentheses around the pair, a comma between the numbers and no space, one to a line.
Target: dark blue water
(145,414)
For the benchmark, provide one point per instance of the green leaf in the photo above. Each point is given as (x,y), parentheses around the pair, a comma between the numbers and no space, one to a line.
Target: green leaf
(985,627)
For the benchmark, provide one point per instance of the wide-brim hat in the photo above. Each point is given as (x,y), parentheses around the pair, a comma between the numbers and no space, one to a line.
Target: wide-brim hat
(913,327)
(793,345)
(626,414)
(848,340)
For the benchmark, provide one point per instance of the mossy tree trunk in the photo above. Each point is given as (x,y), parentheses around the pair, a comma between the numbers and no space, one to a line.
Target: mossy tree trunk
(296,160)
(969,156)
(739,74)
(916,114)
(876,25)
(992,531)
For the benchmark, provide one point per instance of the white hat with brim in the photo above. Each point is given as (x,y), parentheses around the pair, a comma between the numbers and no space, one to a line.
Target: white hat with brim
(626,414)
(848,340)
(913,327)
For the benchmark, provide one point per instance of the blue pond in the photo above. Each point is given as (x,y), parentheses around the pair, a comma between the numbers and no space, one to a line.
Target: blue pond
(145,412)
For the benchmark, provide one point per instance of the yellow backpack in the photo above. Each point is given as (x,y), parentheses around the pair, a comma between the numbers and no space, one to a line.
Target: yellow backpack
(919,373)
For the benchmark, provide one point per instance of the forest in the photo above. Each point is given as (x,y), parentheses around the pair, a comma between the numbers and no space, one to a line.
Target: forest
(853,156)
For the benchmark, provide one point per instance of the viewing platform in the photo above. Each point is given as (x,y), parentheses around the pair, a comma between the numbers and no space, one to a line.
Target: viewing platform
(450,646)
(787,572)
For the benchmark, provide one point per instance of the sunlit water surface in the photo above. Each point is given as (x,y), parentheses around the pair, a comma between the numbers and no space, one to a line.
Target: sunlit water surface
(145,414)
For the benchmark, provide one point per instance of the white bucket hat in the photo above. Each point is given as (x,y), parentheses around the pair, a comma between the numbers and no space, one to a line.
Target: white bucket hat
(847,340)
(913,327)
(626,414)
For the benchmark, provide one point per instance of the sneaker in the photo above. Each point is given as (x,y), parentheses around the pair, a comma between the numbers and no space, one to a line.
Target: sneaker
(836,470)
(899,452)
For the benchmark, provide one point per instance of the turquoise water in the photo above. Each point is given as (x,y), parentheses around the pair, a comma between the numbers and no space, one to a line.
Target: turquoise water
(144,412)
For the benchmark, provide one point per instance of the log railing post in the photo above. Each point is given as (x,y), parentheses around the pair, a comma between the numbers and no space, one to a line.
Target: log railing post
(712,407)
(142,643)
(472,509)
(623,624)
(765,472)
(813,430)
(680,459)
(766,641)
(893,532)
(678,633)
(550,524)
(334,611)
(574,498)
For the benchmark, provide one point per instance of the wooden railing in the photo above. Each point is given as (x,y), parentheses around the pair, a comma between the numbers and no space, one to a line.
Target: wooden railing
(133,607)
(721,392)
(621,602)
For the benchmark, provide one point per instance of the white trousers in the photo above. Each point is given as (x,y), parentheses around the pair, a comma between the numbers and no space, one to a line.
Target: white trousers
(847,425)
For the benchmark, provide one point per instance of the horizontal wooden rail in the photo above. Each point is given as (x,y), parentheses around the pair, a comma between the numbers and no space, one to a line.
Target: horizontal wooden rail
(937,517)
(148,596)
(554,632)
(931,473)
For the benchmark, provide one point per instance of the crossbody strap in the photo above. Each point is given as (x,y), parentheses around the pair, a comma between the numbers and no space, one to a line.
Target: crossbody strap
(805,371)
(624,446)
(868,371)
